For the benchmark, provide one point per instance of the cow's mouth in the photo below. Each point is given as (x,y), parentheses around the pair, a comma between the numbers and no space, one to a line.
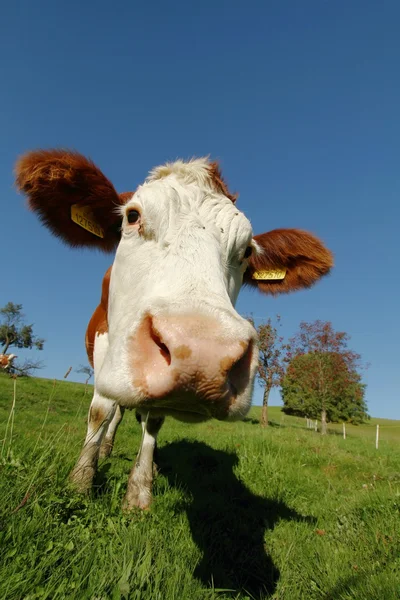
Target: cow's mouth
(179,413)
(191,406)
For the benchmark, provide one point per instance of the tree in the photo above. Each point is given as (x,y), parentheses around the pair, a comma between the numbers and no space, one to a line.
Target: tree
(271,360)
(14,333)
(86,370)
(345,398)
(323,376)
(26,368)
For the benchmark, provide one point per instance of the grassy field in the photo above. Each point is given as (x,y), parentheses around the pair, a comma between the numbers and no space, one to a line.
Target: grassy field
(239,512)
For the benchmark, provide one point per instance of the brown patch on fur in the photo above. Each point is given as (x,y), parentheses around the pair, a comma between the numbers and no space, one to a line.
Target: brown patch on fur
(96,416)
(219,182)
(54,180)
(98,324)
(226,364)
(5,360)
(183,352)
(125,197)
(301,253)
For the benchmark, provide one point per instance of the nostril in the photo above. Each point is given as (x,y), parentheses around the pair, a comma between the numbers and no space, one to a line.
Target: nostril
(239,373)
(156,337)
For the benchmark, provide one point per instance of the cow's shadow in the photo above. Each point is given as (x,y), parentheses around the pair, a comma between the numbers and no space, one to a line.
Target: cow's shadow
(227,521)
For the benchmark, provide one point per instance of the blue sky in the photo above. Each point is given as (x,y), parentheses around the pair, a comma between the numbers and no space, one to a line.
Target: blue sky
(298,100)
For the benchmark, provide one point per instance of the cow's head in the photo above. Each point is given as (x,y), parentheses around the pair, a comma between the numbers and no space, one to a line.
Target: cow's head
(183,249)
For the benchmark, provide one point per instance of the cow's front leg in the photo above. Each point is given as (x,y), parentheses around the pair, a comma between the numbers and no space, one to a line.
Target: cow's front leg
(140,482)
(101,413)
(108,440)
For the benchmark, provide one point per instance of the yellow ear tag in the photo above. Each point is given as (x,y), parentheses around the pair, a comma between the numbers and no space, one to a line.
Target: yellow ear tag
(272,274)
(83,216)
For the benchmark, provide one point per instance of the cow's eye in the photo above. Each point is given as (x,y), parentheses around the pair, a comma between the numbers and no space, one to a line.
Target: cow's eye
(248,252)
(133,216)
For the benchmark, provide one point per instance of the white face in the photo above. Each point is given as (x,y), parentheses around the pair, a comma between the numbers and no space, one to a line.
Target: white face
(176,343)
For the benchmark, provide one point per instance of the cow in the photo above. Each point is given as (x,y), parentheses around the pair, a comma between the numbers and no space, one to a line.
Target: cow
(165,339)
(6,361)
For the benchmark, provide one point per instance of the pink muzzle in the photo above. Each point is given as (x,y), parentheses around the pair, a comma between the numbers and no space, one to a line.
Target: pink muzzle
(189,358)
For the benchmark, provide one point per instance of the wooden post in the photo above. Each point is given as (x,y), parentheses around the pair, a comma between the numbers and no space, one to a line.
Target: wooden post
(377,437)
(316,425)
(344,431)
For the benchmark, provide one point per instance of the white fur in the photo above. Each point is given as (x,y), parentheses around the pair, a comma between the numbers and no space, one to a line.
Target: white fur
(194,171)
(187,257)
(100,402)
(85,468)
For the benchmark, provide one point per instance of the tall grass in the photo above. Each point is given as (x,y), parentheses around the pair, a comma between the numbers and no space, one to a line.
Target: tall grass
(238,512)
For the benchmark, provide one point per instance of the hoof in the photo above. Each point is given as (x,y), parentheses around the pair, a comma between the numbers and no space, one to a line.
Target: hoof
(129,504)
(137,497)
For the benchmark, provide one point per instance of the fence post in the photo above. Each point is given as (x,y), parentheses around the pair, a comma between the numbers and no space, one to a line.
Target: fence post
(316,425)
(377,437)
(344,431)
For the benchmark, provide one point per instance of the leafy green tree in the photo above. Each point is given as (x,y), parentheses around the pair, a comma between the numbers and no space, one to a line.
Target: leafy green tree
(14,333)
(322,378)
(343,399)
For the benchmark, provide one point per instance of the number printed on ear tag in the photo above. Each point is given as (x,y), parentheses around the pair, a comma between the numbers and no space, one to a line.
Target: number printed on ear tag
(271,274)
(83,216)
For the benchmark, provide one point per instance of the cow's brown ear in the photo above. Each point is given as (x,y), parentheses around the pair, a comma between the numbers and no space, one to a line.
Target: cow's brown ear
(72,197)
(287,260)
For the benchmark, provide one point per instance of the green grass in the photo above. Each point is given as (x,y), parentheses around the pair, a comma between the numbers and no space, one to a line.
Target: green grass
(389,430)
(238,512)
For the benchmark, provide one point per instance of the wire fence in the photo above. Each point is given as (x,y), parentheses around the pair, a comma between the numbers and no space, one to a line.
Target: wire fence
(375,432)
(372,432)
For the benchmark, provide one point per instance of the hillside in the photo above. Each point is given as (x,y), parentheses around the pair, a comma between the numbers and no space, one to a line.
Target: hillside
(238,512)
(67,397)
